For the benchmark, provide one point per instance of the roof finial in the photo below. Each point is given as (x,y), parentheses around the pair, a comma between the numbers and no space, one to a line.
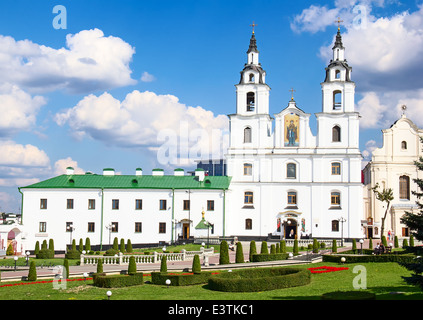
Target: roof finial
(292,93)
(403,108)
(253,25)
(339,23)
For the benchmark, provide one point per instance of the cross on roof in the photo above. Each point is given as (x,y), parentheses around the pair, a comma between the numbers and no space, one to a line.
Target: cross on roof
(292,93)
(339,22)
(253,25)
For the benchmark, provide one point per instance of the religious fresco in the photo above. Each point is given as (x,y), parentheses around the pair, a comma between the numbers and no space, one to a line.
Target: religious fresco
(292,130)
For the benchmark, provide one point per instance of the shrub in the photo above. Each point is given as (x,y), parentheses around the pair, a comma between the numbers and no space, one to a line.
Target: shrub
(239,257)
(51,245)
(396,243)
(37,247)
(132,267)
(115,244)
(73,254)
(264,249)
(118,281)
(44,245)
(196,266)
(272,249)
(411,241)
(111,252)
(400,258)
(81,245)
(163,264)
(349,295)
(10,251)
(253,249)
(129,246)
(66,266)
(370,243)
(354,245)
(334,246)
(100,266)
(295,248)
(269,257)
(45,254)
(283,246)
(259,279)
(385,243)
(87,244)
(224,253)
(278,248)
(315,246)
(180,279)
(122,245)
(32,273)
(404,243)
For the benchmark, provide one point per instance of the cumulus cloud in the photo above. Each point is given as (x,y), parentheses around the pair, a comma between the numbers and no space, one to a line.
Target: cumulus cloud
(90,61)
(145,119)
(146,77)
(61,165)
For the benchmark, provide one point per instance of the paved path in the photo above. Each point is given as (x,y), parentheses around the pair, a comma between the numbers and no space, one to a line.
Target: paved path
(78,271)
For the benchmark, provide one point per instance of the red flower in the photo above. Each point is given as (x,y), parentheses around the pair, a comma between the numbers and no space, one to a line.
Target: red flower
(325,269)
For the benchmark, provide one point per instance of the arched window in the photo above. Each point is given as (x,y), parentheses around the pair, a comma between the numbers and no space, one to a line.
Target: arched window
(248,197)
(248,224)
(337,100)
(291,170)
(248,169)
(250,101)
(336,134)
(336,168)
(247,135)
(335,225)
(251,77)
(335,199)
(337,74)
(404,145)
(404,188)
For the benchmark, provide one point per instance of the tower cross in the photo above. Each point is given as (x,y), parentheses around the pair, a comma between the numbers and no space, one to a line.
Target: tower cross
(339,22)
(253,25)
(292,93)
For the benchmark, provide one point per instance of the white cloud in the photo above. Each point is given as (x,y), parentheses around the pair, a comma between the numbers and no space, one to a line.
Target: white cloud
(145,119)
(89,62)
(314,19)
(371,111)
(61,165)
(146,77)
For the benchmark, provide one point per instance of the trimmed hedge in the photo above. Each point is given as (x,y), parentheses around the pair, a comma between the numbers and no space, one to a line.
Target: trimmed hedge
(118,281)
(269,257)
(259,279)
(180,279)
(351,258)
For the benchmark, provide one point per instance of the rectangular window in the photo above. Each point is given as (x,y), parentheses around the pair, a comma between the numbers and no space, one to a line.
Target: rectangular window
(248,197)
(138,204)
(162,227)
(91,226)
(163,205)
(138,227)
(69,204)
(335,199)
(210,205)
(43,203)
(248,224)
(91,204)
(336,168)
(248,169)
(187,204)
(115,226)
(115,204)
(43,227)
(292,198)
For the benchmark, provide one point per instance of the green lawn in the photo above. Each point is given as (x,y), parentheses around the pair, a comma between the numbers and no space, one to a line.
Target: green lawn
(383,279)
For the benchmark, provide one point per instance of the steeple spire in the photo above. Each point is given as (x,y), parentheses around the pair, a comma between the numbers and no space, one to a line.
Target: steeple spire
(338,40)
(253,43)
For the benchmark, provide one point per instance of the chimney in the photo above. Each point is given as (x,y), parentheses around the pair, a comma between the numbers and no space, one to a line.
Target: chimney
(178,172)
(138,172)
(69,171)
(200,174)
(158,172)
(108,172)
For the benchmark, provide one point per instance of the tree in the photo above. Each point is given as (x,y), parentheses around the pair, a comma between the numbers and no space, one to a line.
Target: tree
(239,257)
(100,266)
(66,266)
(386,195)
(334,246)
(224,253)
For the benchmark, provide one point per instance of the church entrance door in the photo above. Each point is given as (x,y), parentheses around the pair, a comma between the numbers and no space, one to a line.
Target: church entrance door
(291,229)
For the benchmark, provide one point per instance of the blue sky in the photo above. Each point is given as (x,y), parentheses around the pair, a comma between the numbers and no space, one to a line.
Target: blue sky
(99,91)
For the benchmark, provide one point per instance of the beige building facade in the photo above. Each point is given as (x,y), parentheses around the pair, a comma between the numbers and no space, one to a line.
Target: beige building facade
(392,166)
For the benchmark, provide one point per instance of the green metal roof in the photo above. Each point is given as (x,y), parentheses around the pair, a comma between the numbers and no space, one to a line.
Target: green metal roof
(94,181)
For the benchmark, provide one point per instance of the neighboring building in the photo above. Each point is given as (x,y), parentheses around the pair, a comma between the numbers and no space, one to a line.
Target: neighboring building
(392,166)
(213,167)
(147,209)
(285,181)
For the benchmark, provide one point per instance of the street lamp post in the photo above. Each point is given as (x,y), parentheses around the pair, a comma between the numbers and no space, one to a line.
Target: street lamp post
(16,259)
(27,258)
(342,220)
(361,244)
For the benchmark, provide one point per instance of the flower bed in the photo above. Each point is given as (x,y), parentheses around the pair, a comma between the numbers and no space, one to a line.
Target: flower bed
(326,269)
(44,281)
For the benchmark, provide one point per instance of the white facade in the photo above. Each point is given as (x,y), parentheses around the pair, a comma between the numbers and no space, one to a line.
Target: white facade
(392,166)
(283,177)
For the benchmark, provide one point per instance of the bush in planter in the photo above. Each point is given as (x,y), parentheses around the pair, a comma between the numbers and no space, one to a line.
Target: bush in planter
(196,266)
(239,258)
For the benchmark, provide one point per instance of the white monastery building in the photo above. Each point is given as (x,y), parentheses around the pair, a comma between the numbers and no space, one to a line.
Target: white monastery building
(392,166)
(282,181)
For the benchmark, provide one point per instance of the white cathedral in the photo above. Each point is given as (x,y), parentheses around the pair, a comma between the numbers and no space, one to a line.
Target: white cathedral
(282,181)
